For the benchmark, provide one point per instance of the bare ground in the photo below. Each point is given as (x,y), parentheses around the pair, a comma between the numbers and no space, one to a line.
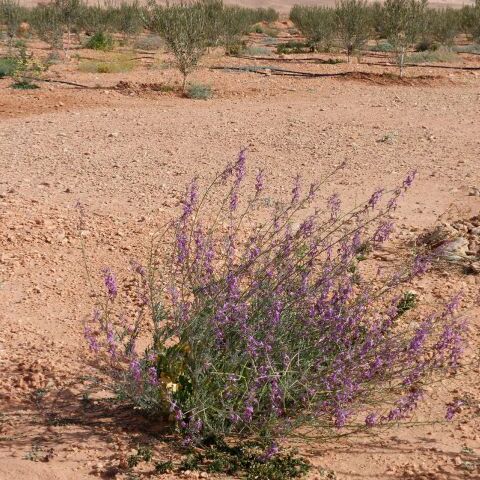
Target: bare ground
(126,155)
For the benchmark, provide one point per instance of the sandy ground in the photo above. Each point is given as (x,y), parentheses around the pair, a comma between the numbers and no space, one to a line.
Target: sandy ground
(126,155)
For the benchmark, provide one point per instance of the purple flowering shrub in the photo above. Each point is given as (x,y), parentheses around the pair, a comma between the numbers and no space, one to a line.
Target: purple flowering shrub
(254,327)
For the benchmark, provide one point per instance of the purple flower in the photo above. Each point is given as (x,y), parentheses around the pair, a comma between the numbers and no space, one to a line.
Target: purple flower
(271,452)
(341,417)
(420,265)
(375,198)
(383,232)
(91,339)
(248,413)
(152,376)
(239,167)
(371,420)
(110,283)
(453,409)
(138,268)
(334,205)
(190,199)
(234,200)
(259,182)
(136,370)
(453,304)
(182,246)
(296,190)
(407,183)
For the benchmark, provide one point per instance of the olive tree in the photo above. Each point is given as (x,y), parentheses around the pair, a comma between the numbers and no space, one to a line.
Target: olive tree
(404,22)
(353,24)
(317,24)
(184,27)
(47,23)
(11,16)
(235,23)
(444,25)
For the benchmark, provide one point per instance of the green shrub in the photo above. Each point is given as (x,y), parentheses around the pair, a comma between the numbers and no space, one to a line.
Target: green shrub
(186,31)
(11,16)
(119,64)
(149,42)
(7,66)
(408,301)
(95,20)
(470,21)
(47,24)
(474,48)
(255,51)
(235,23)
(293,47)
(404,25)
(425,45)
(353,24)
(128,19)
(440,55)
(100,41)
(317,24)
(382,47)
(198,91)
(444,25)
(24,85)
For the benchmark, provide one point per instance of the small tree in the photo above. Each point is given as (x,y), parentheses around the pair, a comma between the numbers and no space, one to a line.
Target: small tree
(444,25)
(48,25)
(472,21)
(184,27)
(235,23)
(128,19)
(317,24)
(404,23)
(70,13)
(353,23)
(11,16)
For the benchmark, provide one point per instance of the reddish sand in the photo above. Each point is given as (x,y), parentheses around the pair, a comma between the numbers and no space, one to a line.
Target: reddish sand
(127,153)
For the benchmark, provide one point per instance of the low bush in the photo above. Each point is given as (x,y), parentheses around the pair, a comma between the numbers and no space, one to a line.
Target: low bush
(293,47)
(7,66)
(382,47)
(441,55)
(116,64)
(257,51)
(199,91)
(404,23)
(317,24)
(100,41)
(47,23)
(149,42)
(253,329)
(353,24)
(186,29)
(11,17)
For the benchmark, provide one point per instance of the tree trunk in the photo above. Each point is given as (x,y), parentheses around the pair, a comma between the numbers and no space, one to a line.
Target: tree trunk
(184,86)
(402,60)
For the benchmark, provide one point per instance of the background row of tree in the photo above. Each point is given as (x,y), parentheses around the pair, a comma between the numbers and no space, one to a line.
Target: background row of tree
(188,29)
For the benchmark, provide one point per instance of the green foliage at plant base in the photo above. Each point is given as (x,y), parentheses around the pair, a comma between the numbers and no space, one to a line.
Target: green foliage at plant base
(408,301)
(248,460)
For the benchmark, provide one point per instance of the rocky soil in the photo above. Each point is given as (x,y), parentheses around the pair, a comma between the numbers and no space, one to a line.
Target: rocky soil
(126,157)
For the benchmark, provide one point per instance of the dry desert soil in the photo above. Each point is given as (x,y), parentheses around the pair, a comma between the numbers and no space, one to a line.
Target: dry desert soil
(125,149)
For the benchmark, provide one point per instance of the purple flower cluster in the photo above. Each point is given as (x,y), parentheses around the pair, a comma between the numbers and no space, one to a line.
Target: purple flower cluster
(266,326)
